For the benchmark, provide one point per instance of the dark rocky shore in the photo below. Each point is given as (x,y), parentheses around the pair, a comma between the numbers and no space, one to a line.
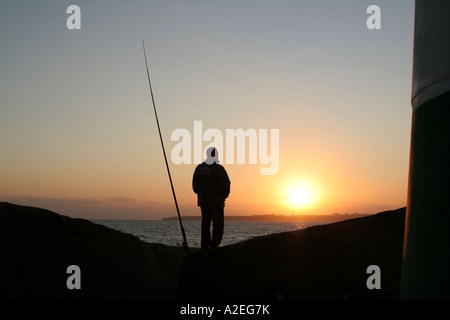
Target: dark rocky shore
(321,262)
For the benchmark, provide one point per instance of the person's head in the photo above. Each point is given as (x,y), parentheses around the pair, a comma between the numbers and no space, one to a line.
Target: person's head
(212,155)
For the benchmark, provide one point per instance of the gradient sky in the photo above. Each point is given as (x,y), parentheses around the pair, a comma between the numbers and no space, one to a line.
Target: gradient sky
(78,134)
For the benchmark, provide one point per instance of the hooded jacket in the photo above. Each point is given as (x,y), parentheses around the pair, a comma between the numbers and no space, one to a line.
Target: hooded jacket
(211,184)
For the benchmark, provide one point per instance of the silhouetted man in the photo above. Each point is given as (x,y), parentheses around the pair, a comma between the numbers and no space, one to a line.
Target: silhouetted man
(212,186)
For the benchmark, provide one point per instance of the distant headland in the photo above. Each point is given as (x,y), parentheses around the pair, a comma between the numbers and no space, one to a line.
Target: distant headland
(335,217)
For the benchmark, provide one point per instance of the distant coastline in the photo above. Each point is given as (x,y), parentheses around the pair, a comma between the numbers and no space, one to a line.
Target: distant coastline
(283,218)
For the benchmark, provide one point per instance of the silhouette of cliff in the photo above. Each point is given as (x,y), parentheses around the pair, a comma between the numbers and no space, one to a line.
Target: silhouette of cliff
(38,245)
(321,262)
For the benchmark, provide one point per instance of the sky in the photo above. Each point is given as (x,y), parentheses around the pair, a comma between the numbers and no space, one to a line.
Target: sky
(78,134)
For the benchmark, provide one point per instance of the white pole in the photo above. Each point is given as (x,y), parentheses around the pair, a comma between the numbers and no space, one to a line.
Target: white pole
(426,256)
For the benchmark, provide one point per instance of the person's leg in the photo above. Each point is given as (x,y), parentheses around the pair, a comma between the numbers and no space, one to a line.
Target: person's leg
(206,224)
(218,226)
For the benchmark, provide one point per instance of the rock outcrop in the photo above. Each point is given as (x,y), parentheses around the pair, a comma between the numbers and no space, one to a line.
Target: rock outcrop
(37,246)
(322,262)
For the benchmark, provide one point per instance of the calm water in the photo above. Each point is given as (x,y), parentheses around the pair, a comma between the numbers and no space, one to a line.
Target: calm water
(168,232)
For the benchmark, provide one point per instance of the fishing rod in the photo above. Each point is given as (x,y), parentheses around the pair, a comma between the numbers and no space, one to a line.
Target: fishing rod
(185,244)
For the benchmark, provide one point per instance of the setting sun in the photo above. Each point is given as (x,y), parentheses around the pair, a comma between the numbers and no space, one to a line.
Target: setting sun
(300,195)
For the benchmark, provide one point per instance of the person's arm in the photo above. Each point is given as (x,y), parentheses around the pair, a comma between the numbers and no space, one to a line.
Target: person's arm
(225,182)
(195,181)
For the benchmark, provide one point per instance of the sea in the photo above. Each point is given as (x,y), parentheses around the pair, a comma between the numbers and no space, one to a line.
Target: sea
(168,232)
